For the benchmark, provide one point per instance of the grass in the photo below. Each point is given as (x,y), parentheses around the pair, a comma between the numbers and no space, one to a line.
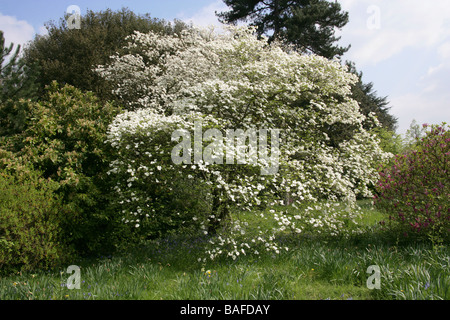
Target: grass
(315,268)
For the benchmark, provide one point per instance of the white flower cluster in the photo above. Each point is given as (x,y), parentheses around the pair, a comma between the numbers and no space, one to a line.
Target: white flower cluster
(232,80)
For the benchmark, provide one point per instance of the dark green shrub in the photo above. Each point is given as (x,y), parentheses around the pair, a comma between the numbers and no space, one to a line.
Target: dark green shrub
(64,140)
(30,223)
(71,57)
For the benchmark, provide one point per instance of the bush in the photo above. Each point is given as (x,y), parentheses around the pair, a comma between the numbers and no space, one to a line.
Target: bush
(151,197)
(415,189)
(30,223)
(389,140)
(64,139)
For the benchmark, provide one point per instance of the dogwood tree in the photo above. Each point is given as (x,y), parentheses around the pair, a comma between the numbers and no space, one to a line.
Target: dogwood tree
(185,98)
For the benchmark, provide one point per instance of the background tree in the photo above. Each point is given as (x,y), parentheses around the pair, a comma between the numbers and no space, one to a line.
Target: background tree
(17,81)
(309,25)
(369,101)
(69,55)
(414,134)
(390,141)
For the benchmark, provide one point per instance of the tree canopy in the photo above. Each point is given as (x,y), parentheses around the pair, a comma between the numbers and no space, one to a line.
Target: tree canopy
(208,85)
(309,25)
(17,81)
(68,56)
(369,101)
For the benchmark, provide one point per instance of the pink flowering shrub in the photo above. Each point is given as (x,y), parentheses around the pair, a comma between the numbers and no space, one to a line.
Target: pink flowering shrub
(414,189)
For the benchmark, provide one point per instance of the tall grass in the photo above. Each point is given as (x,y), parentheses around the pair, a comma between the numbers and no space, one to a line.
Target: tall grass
(315,268)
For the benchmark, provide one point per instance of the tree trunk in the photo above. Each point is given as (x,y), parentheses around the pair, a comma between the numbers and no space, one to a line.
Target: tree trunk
(220,212)
(276,19)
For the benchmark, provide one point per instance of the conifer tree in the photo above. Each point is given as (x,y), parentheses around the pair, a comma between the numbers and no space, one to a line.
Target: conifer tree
(17,81)
(369,101)
(309,25)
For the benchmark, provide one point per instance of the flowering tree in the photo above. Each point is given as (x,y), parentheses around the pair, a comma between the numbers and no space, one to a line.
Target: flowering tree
(414,188)
(207,84)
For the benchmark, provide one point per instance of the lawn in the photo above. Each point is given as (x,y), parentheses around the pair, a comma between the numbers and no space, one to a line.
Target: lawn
(314,268)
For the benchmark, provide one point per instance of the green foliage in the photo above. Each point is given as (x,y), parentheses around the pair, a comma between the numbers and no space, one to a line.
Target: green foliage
(17,80)
(30,222)
(415,188)
(69,55)
(66,134)
(295,22)
(389,141)
(413,135)
(150,197)
(64,140)
(14,117)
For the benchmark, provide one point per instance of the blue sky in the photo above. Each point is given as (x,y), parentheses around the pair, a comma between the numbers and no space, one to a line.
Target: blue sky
(402,46)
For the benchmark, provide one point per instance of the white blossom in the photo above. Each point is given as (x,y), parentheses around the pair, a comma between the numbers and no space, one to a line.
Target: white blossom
(235,80)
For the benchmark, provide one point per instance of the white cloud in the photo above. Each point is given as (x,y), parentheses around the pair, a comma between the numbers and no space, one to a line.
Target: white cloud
(16,31)
(427,99)
(403,24)
(424,107)
(407,53)
(444,50)
(206,16)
